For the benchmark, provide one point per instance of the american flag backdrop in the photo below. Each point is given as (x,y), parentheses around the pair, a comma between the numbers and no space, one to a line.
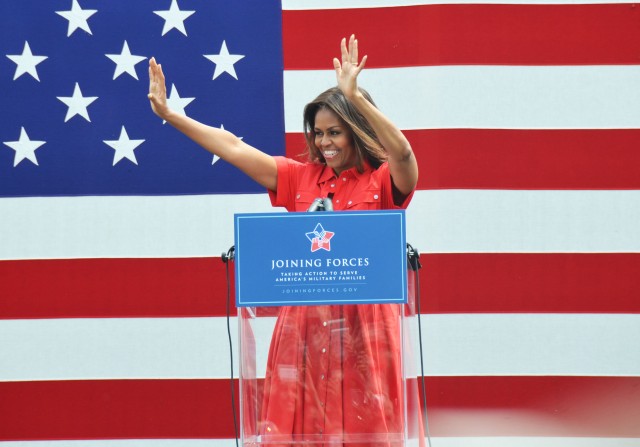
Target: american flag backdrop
(525,120)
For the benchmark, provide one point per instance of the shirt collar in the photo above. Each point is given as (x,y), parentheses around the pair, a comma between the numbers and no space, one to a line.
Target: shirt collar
(328,174)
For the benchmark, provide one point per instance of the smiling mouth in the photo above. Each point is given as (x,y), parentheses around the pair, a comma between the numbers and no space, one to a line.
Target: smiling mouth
(329,154)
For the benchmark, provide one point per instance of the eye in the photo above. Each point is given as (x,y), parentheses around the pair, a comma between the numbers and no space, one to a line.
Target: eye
(335,132)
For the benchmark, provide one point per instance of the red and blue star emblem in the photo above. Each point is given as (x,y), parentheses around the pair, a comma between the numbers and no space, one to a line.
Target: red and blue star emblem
(320,238)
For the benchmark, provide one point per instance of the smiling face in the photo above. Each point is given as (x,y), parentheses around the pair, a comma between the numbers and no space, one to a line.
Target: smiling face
(334,141)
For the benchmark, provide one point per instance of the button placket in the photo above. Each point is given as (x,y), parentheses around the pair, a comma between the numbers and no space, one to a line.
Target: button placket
(324,361)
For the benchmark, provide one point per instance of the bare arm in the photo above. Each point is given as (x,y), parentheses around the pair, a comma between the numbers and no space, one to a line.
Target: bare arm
(256,164)
(403,166)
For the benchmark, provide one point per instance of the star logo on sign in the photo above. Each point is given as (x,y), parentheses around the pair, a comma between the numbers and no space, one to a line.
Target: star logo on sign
(77,17)
(26,62)
(224,61)
(176,103)
(124,147)
(320,238)
(125,62)
(174,18)
(77,104)
(25,148)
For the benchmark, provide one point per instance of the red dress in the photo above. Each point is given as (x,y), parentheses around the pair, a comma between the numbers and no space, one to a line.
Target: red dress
(334,371)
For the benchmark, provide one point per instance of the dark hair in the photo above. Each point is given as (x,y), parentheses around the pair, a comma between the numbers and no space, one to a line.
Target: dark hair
(365,140)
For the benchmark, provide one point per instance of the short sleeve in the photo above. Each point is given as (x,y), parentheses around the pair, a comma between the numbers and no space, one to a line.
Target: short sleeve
(386,187)
(284,194)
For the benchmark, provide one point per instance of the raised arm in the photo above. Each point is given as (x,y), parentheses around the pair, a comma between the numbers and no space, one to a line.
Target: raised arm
(256,164)
(403,166)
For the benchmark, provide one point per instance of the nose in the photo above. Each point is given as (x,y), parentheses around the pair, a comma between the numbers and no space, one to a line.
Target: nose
(325,140)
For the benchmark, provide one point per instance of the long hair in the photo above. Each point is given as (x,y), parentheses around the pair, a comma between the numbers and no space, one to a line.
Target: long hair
(365,140)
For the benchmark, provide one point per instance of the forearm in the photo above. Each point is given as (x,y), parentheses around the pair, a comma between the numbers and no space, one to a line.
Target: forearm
(217,141)
(402,163)
(256,164)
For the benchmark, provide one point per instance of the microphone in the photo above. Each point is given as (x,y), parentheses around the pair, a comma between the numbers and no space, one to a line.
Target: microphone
(321,204)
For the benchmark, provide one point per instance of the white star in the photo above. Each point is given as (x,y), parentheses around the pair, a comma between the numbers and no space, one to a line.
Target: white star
(174,18)
(124,147)
(25,148)
(224,61)
(215,157)
(77,104)
(26,62)
(176,103)
(77,17)
(125,62)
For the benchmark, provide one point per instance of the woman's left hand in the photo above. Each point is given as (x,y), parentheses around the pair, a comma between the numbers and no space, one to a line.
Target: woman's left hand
(347,71)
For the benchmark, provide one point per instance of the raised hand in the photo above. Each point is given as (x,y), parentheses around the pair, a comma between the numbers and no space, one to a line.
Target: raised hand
(347,71)
(157,89)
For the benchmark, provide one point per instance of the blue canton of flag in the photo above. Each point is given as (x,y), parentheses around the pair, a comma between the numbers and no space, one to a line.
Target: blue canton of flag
(73,82)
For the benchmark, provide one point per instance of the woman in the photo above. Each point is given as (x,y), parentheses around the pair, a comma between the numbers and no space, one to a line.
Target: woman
(332,370)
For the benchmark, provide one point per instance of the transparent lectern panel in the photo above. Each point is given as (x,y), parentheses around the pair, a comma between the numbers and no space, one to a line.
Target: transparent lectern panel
(327,375)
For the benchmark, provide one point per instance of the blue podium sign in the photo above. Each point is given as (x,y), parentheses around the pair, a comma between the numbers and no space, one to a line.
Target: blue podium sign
(297,259)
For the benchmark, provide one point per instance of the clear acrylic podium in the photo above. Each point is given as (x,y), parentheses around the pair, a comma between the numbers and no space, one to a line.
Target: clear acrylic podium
(330,375)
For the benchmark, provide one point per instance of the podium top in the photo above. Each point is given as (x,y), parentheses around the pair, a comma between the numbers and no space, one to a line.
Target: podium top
(297,259)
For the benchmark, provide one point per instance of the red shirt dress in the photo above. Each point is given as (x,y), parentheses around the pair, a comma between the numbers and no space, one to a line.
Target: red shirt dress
(334,371)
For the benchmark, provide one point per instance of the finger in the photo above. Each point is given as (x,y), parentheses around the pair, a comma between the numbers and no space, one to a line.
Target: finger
(155,100)
(343,50)
(153,64)
(336,65)
(153,70)
(351,47)
(354,52)
(362,63)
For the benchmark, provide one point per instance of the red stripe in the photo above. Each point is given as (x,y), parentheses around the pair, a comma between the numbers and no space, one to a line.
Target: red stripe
(534,406)
(114,409)
(458,406)
(521,159)
(72,288)
(467,34)
(530,283)
(450,283)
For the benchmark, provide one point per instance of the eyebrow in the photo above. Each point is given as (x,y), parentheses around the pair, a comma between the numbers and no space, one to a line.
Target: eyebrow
(329,128)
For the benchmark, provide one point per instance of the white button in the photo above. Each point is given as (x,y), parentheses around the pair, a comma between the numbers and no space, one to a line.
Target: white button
(338,201)
(375,196)
(298,196)
(324,350)
(333,185)
(344,179)
(349,202)
(322,376)
(324,323)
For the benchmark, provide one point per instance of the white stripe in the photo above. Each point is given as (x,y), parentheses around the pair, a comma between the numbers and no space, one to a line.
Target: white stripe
(463,221)
(343,4)
(470,441)
(184,348)
(438,221)
(493,97)
(531,344)
(105,227)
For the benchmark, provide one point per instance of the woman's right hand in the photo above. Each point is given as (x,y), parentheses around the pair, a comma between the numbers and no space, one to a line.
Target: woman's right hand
(157,90)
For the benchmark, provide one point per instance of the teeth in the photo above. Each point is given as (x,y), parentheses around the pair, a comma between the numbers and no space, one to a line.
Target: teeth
(330,154)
